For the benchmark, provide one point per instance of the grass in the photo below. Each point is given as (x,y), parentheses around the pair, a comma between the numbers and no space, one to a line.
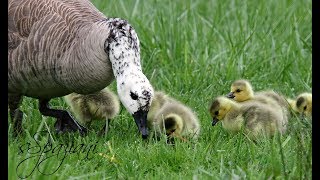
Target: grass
(192,50)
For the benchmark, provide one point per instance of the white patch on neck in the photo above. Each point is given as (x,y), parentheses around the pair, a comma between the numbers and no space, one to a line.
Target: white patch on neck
(124,54)
(123,48)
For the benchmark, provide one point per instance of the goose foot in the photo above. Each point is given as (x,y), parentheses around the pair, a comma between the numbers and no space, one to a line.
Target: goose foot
(69,124)
(65,122)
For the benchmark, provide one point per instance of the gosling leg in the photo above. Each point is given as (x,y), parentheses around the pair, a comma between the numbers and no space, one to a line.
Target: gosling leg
(105,128)
(170,140)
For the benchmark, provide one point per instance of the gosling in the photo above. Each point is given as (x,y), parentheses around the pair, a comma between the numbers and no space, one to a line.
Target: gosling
(241,91)
(302,104)
(176,120)
(102,105)
(254,117)
(159,99)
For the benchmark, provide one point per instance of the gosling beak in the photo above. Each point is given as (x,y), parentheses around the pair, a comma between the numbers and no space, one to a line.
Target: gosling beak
(230,95)
(140,117)
(214,121)
(302,116)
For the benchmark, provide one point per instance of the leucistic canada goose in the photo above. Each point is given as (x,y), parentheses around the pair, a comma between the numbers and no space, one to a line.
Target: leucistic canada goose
(57,47)
(102,105)
(302,104)
(254,117)
(176,120)
(241,91)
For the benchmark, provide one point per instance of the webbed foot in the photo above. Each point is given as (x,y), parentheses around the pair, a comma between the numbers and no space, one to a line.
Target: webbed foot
(65,122)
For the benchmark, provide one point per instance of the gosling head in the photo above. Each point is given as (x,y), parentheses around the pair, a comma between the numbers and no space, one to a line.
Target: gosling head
(304,104)
(219,108)
(136,96)
(241,90)
(173,124)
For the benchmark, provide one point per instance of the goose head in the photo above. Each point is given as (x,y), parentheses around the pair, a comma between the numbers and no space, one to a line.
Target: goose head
(136,96)
(173,125)
(241,90)
(304,104)
(134,89)
(219,108)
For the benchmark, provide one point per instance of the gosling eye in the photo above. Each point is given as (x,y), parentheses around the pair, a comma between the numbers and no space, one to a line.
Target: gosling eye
(216,113)
(173,130)
(305,107)
(133,96)
(238,90)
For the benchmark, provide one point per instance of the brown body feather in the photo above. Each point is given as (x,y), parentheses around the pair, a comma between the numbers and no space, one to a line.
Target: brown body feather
(56,46)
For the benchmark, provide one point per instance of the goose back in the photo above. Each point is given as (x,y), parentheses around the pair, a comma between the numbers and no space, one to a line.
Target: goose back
(56,46)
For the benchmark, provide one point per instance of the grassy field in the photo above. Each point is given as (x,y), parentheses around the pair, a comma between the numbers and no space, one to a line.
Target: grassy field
(193,50)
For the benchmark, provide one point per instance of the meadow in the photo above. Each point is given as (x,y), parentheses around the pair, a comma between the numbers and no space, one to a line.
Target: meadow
(192,50)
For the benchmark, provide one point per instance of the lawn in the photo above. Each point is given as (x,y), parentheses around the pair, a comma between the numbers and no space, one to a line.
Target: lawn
(192,50)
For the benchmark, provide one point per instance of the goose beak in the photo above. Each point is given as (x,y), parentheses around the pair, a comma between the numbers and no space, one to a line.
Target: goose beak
(214,121)
(230,95)
(140,117)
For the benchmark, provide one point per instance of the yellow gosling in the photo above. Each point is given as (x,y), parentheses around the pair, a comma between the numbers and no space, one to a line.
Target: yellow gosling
(176,120)
(254,117)
(102,105)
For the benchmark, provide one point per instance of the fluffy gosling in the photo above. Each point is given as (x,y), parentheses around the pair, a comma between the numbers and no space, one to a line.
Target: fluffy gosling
(255,117)
(302,104)
(102,105)
(159,99)
(241,91)
(177,120)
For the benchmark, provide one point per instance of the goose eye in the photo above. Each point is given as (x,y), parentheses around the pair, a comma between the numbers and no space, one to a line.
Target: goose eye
(216,113)
(305,107)
(238,90)
(133,96)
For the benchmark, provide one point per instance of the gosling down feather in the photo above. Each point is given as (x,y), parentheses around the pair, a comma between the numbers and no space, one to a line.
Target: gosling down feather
(102,105)
(159,99)
(57,47)
(302,104)
(242,91)
(254,117)
(177,120)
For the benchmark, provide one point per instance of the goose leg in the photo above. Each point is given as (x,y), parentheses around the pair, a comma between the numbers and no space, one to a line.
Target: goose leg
(16,114)
(65,121)
(105,128)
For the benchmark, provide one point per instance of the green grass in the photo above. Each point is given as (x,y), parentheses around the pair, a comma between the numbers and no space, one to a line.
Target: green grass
(193,50)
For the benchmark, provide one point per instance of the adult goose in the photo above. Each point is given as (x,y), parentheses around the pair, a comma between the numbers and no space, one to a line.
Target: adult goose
(57,47)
